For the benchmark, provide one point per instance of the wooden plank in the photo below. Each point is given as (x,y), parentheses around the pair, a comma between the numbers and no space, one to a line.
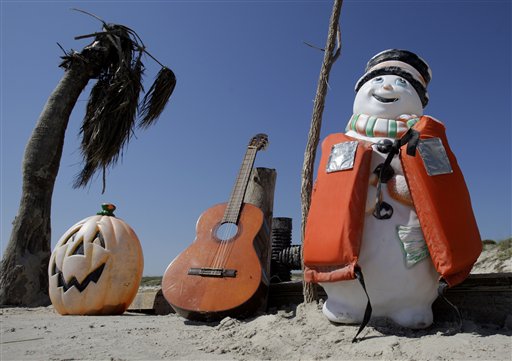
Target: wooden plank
(260,192)
(150,301)
(482,298)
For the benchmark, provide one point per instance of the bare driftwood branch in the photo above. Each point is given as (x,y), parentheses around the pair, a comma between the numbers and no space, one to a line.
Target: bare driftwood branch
(330,56)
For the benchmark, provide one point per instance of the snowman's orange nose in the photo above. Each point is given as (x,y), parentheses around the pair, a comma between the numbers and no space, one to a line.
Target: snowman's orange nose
(387,87)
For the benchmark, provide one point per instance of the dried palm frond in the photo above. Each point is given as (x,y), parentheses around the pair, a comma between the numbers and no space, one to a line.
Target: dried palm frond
(120,38)
(113,104)
(109,120)
(85,175)
(89,130)
(157,97)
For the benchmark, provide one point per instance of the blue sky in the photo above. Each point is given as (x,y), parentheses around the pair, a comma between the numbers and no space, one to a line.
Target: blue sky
(242,69)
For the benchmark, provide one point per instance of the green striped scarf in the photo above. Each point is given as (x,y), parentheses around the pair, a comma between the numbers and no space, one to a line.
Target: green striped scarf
(372,126)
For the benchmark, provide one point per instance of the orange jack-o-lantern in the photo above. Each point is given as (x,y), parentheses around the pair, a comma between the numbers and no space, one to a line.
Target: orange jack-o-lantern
(96,267)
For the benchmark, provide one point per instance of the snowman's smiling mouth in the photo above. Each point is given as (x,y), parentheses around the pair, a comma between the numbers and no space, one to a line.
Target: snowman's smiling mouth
(384,100)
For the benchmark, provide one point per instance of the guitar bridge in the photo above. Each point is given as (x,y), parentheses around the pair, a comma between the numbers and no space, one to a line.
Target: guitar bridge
(212,272)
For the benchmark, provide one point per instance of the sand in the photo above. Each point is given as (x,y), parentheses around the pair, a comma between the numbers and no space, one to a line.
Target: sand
(294,333)
(489,262)
(297,333)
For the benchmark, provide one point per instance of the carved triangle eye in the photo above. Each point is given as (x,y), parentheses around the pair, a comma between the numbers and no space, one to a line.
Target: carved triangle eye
(71,238)
(78,245)
(79,249)
(99,240)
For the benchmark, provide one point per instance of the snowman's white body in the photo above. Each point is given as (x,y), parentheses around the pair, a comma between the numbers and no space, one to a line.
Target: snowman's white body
(402,293)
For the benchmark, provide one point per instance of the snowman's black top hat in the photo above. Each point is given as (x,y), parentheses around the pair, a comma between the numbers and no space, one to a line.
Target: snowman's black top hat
(402,63)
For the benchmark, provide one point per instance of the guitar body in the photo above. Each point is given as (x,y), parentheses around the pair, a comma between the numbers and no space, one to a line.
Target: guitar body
(207,298)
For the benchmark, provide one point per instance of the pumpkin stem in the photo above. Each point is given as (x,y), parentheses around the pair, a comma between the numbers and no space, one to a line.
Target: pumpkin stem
(107,209)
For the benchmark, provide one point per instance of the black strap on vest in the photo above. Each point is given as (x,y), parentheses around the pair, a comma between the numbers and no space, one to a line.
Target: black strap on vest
(368,310)
(382,209)
(443,285)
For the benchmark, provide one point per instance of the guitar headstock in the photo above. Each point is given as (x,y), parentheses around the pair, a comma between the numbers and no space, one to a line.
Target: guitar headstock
(259,141)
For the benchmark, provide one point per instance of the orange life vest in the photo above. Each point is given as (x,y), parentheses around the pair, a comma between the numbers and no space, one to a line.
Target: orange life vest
(335,220)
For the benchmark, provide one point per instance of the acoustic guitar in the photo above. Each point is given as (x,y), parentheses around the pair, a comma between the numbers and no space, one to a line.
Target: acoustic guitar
(220,273)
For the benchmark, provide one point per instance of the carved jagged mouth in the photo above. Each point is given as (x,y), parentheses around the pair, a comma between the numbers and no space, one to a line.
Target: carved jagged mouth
(94,276)
(384,100)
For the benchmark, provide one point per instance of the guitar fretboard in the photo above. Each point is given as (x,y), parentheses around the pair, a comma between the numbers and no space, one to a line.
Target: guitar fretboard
(237,194)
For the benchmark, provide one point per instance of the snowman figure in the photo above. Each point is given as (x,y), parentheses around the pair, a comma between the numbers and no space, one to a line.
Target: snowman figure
(363,219)
(385,106)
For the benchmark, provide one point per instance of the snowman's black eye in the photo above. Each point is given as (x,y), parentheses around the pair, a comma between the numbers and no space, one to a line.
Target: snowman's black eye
(401,82)
(377,80)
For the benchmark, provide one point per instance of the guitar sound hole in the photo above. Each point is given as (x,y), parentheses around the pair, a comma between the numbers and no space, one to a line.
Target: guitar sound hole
(226,231)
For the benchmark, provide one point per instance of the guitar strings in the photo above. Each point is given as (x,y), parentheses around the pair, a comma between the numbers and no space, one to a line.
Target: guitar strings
(229,232)
(234,229)
(226,245)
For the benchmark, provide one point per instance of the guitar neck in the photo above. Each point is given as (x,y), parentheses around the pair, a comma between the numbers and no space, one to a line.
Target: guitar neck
(237,194)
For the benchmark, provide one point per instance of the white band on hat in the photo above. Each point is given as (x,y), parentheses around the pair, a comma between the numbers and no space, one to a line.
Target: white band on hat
(400,64)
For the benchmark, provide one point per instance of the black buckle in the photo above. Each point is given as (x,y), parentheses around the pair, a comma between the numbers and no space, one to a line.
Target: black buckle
(384,146)
(383,210)
(385,172)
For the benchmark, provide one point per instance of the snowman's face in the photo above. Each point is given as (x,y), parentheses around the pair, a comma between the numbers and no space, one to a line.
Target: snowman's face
(387,96)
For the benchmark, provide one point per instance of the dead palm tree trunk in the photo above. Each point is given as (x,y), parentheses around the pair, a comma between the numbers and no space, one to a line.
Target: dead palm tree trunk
(331,53)
(23,272)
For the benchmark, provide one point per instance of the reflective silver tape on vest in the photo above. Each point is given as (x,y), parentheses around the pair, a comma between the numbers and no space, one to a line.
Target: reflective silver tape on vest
(434,156)
(342,156)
